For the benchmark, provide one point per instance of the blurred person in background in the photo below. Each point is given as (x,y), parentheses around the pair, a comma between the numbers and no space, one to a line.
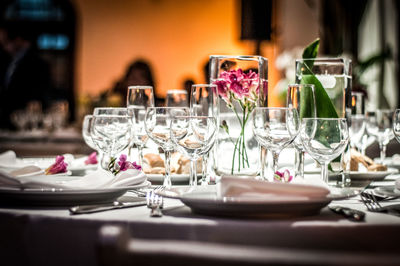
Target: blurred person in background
(138,73)
(26,77)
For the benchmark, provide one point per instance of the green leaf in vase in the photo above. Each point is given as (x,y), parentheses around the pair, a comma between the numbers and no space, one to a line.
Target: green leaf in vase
(325,107)
(306,103)
(311,52)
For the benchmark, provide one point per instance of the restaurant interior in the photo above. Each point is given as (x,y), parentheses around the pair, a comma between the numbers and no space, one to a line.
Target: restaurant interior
(185,132)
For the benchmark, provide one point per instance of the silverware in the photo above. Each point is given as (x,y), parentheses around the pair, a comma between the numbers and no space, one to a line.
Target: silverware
(378,197)
(105,207)
(352,214)
(370,201)
(155,203)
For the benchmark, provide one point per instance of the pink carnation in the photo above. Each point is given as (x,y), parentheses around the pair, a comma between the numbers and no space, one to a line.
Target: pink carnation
(58,167)
(92,158)
(283,176)
(238,83)
(125,165)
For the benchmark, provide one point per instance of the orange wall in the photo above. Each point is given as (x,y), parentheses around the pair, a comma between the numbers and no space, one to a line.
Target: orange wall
(176,36)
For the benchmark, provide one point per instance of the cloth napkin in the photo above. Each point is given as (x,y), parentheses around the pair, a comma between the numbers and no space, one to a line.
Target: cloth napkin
(99,179)
(252,189)
(8,159)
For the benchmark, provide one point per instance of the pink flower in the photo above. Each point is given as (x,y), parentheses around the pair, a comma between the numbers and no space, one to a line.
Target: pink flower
(92,158)
(125,165)
(237,83)
(58,167)
(283,176)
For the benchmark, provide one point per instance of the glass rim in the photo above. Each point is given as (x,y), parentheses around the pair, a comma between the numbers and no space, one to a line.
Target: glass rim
(204,85)
(337,60)
(194,116)
(110,115)
(110,108)
(175,90)
(324,118)
(168,107)
(301,85)
(273,108)
(247,57)
(140,87)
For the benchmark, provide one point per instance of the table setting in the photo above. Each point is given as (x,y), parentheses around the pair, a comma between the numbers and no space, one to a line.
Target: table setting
(221,160)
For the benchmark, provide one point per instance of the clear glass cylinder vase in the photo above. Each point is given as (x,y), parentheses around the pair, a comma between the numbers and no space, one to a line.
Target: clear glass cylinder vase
(242,84)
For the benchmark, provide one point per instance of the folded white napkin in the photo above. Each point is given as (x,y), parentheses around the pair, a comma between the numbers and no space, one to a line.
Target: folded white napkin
(8,159)
(95,180)
(251,189)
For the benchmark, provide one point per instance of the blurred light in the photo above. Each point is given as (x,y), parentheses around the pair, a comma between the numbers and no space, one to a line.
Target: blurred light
(52,42)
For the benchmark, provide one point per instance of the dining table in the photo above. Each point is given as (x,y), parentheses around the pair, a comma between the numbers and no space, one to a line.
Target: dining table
(52,235)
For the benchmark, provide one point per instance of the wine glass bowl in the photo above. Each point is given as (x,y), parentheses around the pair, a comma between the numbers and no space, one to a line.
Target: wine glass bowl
(379,124)
(324,139)
(86,131)
(193,136)
(111,133)
(177,98)
(275,128)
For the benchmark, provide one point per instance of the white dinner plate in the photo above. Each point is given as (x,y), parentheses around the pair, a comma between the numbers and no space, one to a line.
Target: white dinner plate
(388,191)
(204,200)
(373,176)
(389,162)
(62,197)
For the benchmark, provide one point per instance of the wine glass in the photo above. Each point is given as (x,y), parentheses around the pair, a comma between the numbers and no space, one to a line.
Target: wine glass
(302,98)
(193,136)
(357,119)
(324,139)
(204,102)
(157,125)
(396,124)
(86,131)
(275,128)
(138,100)
(177,98)
(379,125)
(111,133)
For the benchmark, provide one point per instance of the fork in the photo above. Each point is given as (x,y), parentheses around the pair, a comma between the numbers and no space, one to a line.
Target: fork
(155,203)
(141,193)
(373,205)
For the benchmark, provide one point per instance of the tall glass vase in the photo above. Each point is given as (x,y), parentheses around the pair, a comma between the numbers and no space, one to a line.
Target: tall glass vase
(242,84)
(332,80)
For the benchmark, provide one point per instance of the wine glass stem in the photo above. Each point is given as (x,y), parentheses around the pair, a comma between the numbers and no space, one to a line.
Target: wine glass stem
(382,148)
(193,173)
(140,151)
(299,163)
(167,179)
(324,172)
(204,169)
(263,156)
(275,157)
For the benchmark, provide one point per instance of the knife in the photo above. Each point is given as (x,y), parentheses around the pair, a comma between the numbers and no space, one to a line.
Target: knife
(82,209)
(352,214)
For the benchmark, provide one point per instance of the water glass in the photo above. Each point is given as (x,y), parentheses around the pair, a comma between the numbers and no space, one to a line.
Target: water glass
(157,126)
(302,98)
(275,128)
(379,124)
(324,139)
(193,136)
(139,98)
